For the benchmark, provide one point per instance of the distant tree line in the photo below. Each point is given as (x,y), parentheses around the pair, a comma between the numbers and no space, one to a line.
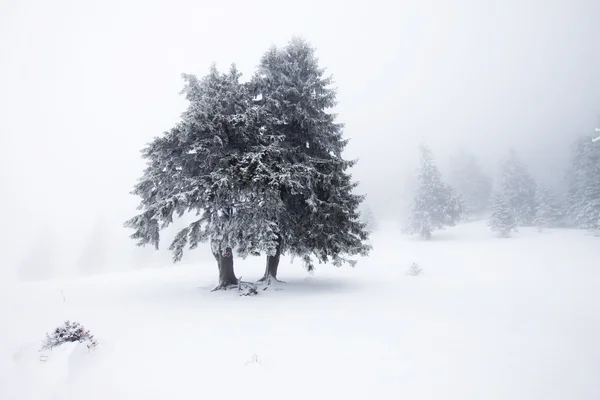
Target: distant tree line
(514,200)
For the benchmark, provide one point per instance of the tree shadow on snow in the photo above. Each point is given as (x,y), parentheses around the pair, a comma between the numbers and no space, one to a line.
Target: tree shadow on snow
(314,285)
(299,286)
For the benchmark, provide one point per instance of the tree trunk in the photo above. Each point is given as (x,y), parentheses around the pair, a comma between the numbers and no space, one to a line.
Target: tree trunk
(272,265)
(227,276)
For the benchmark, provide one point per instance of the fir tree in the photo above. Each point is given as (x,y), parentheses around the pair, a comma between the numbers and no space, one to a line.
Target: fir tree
(320,215)
(583,195)
(189,169)
(40,262)
(549,213)
(519,188)
(576,178)
(474,187)
(94,255)
(435,204)
(261,166)
(367,218)
(502,219)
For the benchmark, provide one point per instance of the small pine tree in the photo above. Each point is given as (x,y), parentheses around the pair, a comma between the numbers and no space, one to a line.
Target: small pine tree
(518,188)
(471,183)
(576,177)
(583,195)
(435,204)
(549,213)
(93,258)
(502,219)
(40,262)
(367,218)
(540,221)
(414,270)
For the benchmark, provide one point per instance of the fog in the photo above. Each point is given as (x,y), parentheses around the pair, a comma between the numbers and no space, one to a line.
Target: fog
(84,85)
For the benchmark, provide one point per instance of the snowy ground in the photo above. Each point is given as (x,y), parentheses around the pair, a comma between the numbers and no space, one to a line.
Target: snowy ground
(488,319)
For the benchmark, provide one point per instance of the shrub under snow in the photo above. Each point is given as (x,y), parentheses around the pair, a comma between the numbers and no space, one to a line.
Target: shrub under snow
(414,270)
(69,332)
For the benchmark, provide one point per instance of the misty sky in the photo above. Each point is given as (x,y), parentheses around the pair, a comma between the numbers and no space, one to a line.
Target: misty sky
(85,84)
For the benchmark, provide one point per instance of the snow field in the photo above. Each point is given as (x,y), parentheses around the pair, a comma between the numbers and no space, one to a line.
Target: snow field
(488,318)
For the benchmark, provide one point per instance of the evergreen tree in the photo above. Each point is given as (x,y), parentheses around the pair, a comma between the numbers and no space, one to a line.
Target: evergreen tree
(94,255)
(321,217)
(502,219)
(435,204)
(576,178)
(261,165)
(549,213)
(191,169)
(583,195)
(367,218)
(519,188)
(474,187)
(40,262)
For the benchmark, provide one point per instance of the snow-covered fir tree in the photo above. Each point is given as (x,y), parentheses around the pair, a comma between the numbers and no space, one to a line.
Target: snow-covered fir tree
(502,219)
(40,262)
(321,217)
(367,218)
(549,212)
(519,188)
(583,194)
(93,257)
(435,204)
(575,178)
(260,163)
(470,182)
(189,169)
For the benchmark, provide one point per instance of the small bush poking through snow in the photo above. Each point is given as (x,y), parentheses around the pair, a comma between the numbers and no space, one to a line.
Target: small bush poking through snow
(253,360)
(69,332)
(414,270)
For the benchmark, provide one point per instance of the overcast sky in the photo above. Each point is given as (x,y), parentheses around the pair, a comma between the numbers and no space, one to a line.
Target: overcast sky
(85,84)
